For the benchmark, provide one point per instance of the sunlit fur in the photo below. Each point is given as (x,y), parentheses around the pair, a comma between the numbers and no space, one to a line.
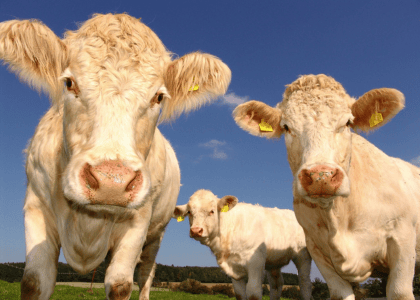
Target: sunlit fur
(249,239)
(374,226)
(114,67)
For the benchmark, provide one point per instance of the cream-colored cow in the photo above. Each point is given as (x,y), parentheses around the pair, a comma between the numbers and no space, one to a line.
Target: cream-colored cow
(248,239)
(357,206)
(101,177)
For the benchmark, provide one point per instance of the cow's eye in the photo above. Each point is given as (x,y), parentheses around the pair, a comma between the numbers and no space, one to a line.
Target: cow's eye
(160,98)
(69,83)
(285,127)
(211,212)
(348,123)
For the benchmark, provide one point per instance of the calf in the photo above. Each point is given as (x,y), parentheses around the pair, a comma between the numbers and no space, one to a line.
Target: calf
(358,207)
(248,239)
(101,177)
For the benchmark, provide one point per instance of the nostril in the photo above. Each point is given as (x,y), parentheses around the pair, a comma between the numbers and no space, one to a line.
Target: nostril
(306,178)
(89,178)
(135,183)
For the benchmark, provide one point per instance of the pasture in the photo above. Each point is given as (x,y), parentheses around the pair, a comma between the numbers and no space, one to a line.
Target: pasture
(63,292)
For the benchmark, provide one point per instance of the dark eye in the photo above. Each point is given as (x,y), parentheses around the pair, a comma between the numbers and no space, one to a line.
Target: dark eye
(69,83)
(160,98)
(188,212)
(348,123)
(285,127)
(211,212)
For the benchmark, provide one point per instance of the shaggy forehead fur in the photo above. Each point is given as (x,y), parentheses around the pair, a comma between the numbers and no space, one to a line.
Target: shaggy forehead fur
(312,95)
(115,50)
(202,198)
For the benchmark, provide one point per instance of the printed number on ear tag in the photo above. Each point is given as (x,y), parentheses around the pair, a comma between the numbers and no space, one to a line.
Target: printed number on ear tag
(180,218)
(375,119)
(265,126)
(194,88)
(225,208)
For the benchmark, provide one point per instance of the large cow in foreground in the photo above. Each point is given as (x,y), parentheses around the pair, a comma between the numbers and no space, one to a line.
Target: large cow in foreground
(101,177)
(248,239)
(357,206)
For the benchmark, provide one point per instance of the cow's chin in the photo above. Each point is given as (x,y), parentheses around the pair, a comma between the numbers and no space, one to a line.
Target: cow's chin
(101,211)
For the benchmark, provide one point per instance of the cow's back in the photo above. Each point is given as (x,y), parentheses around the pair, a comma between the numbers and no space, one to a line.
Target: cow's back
(246,227)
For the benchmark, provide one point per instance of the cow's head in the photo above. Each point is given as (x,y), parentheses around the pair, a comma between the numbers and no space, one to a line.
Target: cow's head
(203,210)
(315,116)
(110,80)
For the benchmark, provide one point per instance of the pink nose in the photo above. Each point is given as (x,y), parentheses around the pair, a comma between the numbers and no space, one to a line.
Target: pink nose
(196,231)
(110,182)
(321,181)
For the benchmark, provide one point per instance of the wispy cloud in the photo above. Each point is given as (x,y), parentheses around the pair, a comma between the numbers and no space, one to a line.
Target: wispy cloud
(416,161)
(233,100)
(218,150)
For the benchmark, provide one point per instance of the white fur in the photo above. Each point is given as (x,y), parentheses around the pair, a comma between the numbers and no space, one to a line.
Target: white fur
(116,66)
(249,239)
(373,224)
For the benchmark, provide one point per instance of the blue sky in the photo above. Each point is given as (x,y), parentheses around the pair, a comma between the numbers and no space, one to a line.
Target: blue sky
(267,44)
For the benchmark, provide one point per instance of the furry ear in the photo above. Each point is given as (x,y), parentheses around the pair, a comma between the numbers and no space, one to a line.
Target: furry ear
(180,210)
(249,115)
(34,53)
(193,80)
(229,200)
(387,102)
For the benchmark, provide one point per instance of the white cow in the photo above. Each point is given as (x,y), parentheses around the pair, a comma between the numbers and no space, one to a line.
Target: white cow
(248,239)
(357,206)
(101,177)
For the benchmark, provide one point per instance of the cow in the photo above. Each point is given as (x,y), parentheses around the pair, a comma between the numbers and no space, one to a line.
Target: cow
(358,207)
(102,179)
(248,241)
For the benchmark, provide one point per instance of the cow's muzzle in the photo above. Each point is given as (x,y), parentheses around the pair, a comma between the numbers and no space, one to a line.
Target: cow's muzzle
(196,232)
(321,181)
(110,183)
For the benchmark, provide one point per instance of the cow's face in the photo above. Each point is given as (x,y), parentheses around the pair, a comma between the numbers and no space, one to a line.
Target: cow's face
(203,211)
(118,79)
(315,116)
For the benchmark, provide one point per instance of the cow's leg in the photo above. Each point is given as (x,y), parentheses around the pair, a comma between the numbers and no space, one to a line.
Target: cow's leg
(42,251)
(275,279)
(339,288)
(239,287)
(401,259)
(125,254)
(148,267)
(255,276)
(303,265)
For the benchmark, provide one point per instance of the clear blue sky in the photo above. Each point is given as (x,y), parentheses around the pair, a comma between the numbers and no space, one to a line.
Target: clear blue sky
(267,44)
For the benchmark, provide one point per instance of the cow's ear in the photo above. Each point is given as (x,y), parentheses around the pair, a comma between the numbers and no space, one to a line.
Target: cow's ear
(34,53)
(227,203)
(259,119)
(376,107)
(180,211)
(193,80)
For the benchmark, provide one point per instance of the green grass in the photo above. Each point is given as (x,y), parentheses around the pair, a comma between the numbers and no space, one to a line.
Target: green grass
(62,292)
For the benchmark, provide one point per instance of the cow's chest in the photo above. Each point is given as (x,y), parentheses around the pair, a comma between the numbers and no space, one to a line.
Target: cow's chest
(352,252)
(85,240)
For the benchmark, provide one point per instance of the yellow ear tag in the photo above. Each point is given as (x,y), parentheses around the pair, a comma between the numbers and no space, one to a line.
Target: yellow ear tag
(180,218)
(194,88)
(375,119)
(265,126)
(225,208)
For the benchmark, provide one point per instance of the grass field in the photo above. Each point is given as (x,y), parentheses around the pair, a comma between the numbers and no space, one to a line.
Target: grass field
(12,291)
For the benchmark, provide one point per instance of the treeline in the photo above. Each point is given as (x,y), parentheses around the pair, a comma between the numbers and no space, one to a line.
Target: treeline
(13,272)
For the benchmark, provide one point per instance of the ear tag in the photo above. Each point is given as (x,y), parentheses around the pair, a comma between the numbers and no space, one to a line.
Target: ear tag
(265,126)
(180,218)
(225,208)
(375,119)
(194,88)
